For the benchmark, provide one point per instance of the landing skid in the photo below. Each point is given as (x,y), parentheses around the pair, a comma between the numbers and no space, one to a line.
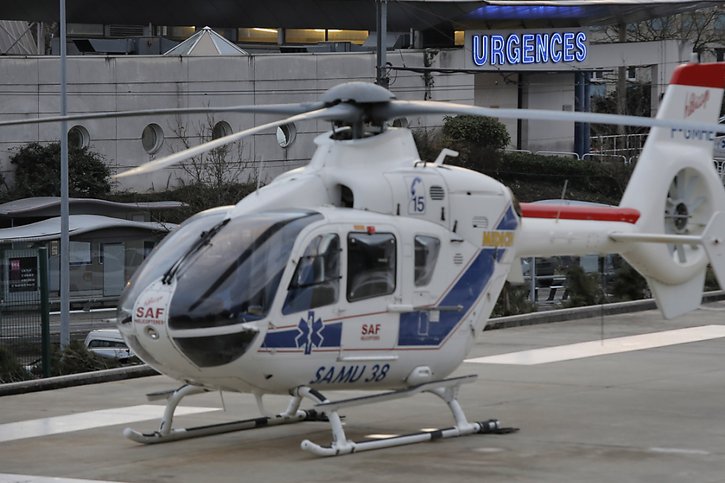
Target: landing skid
(446,389)
(167,433)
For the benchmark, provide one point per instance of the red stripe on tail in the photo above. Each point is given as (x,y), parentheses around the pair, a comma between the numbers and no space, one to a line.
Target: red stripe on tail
(571,212)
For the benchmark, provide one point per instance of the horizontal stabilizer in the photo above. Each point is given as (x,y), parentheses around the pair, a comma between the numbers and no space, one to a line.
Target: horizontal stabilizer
(676,300)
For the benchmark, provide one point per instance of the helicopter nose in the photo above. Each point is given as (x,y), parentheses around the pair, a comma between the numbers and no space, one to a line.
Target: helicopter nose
(147,333)
(150,312)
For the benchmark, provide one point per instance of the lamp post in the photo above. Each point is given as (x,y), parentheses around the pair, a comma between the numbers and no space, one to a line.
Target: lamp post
(64,236)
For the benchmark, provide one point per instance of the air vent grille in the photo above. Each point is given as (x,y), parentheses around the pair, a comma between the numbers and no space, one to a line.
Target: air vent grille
(125,30)
(480,222)
(458,259)
(437,193)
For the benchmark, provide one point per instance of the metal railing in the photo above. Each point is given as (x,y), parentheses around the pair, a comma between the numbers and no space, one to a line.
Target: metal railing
(626,145)
(605,157)
(558,153)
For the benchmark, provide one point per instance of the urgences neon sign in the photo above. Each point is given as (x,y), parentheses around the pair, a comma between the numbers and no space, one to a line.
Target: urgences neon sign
(529,48)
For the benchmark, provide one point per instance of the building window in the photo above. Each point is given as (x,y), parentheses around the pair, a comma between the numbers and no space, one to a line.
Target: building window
(459,38)
(80,253)
(152,138)
(221,129)
(371,265)
(286,135)
(261,35)
(78,137)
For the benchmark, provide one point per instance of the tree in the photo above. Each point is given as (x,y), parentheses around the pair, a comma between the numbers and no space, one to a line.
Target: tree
(216,177)
(37,172)
(703,27)
(638,103)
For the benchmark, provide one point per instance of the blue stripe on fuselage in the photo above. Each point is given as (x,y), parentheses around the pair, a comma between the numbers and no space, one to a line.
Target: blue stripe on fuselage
(416,329)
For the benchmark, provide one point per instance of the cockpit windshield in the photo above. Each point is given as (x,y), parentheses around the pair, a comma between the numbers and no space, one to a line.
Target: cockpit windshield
(234,277)
(166,255)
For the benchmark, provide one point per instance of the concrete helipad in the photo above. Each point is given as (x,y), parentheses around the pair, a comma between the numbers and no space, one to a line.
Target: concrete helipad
(620,398)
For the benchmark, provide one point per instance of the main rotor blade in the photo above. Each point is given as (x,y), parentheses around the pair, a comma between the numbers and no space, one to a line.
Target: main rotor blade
(284,109)
(341,110)
(396,109)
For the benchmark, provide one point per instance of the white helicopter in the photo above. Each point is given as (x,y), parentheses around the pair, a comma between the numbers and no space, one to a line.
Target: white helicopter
(372,269)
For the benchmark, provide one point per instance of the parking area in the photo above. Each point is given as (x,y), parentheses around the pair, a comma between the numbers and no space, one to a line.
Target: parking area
(648,408)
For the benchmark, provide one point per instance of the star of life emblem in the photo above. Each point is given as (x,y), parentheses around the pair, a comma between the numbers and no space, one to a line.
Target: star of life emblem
(310,332)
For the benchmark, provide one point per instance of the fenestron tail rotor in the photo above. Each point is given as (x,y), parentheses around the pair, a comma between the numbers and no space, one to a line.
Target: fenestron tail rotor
(687,211)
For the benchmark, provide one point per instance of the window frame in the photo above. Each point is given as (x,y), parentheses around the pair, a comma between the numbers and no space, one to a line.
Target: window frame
(288,306)
(349,292)
(428,277)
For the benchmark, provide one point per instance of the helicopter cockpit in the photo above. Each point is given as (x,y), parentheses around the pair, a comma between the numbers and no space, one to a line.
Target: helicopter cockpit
(225,274)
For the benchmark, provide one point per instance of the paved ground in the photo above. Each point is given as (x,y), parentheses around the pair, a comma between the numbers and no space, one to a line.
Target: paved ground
(655,415)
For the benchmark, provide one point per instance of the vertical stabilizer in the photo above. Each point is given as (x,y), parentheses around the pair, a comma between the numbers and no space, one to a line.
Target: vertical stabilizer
(676,189)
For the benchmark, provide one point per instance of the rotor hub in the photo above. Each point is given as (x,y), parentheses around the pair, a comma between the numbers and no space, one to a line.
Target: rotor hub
(680,217)
(357,93)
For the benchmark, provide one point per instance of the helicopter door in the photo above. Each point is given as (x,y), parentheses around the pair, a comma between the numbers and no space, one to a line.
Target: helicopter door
(312,298)
(371,286)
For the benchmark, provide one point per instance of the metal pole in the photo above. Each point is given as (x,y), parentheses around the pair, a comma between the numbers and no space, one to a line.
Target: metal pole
(532,273)
(44,310)
(579,127)
(40,40)
(381,19)
(64,236)
(622,81)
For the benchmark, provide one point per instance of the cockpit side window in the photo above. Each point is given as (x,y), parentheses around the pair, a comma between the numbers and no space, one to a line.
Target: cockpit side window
(316,281)
(371,265)
(426,256)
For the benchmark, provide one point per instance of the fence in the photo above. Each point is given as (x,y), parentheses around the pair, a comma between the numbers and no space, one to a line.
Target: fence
(24,309)
(628,146)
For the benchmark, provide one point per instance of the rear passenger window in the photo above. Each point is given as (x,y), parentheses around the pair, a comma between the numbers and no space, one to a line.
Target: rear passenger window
(426,256)
(371,262)
(316,280)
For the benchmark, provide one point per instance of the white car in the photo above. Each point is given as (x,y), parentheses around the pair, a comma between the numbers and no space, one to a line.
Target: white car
(108,343)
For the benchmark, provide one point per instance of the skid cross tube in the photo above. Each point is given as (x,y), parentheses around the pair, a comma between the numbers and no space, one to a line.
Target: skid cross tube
(167,433)
(446,389)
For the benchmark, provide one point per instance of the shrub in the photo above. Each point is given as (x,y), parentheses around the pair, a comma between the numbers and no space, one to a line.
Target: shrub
(628,284)
(76,358)
(10,369)
(533,177)
(485,132)
(513,300)
(37,172)
(479,141)
(583,288)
